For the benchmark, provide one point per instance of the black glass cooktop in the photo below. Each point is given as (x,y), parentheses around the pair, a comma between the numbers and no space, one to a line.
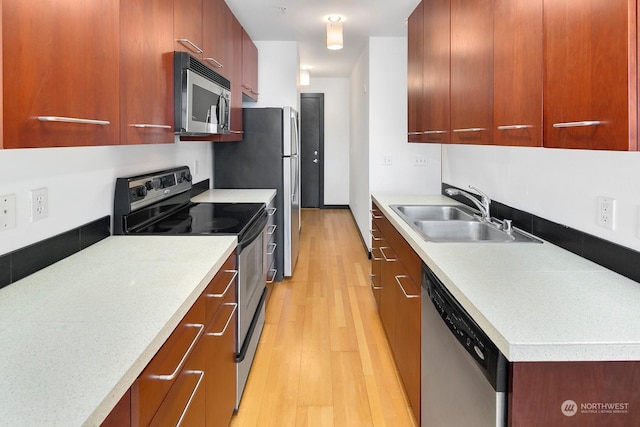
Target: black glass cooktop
(207,218)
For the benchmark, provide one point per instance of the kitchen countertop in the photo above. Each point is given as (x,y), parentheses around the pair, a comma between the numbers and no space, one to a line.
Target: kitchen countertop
(235,196)
(537,302)
(77,334)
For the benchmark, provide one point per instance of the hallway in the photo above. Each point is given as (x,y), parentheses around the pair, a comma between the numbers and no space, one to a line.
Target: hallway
(323,358)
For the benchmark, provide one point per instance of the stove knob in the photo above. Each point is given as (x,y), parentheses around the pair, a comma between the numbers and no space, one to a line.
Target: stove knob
(186,176)
(141,191)
(148,185)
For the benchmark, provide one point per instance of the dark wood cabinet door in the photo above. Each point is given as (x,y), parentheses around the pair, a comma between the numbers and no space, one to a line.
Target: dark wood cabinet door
(590,80)
(146,71)
(235,38)
(187,27)
(61,83)
(215,37)
(249,67)
(517,59)
(472,71)
(414,74)
(436,71)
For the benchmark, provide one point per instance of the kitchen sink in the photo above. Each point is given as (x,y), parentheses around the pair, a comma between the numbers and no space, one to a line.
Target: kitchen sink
(435,212)
(458,223)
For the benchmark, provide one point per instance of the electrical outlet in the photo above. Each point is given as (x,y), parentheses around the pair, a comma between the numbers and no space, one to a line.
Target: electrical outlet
(387,160)
(606,212)
(420,161)
(7,212)
(39,204)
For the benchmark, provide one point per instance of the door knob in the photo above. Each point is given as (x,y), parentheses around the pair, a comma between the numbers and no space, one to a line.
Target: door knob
(315,160)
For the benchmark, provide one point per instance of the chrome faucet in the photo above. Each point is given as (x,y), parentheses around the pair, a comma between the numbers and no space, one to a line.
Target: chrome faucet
(483,205)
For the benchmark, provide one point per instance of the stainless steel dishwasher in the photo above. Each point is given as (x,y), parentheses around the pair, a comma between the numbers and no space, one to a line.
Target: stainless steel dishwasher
(464,375)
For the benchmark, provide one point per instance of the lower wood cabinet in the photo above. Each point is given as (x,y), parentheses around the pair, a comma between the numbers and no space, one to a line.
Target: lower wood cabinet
(191,381)
(398,294)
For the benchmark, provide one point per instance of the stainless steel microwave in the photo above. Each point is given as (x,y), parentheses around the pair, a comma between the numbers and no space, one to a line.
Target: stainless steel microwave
(201,98)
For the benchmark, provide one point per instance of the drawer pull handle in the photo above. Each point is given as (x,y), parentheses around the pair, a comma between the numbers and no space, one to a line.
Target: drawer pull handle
(234,274)
(577,124)
(373,256)
(190,45)
(73,120)
(271,211)
(271,229)
(375,214)
(386,258)
(221,333)
(434,132)
(273,275)
(415,133)
(373,286)
(172,376)
(214,62)
(193,394)
(514,127)
(272,247)
(373,236)
(150,126)
(403,290)
(468,130)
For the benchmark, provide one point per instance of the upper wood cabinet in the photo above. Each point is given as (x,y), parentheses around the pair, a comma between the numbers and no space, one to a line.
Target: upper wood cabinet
(472,71)
(216,40)
(146,71)
(60,87)
(249,68)
(415,57)
(436,105)
(517,84)
(187,27)
(235,125)
(590,82)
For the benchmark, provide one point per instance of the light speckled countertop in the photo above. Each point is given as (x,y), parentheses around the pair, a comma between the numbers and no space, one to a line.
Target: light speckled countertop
(77,334)
(537,302)
(236,196)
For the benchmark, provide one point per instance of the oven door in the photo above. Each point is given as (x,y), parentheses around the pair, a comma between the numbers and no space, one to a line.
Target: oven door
(252,275)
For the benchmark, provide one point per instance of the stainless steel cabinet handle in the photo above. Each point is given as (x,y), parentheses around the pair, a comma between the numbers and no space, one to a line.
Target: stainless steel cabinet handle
(273,275)
(73,120)
(514,127)
(373,286)
(190,45)
(193,394)
(375,214)
(402,287)
(214,62)
(469,130)
(233,278)
(172,376)
(415,133)
(271,229)
(373,256)
(434,132)
(151,126)
(386,258)
(221,333)
(271,211)
(272,245)
(238,132)
(373,236)
(577,124)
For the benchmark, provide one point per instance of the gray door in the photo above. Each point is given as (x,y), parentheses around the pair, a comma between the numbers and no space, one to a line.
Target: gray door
(311,150)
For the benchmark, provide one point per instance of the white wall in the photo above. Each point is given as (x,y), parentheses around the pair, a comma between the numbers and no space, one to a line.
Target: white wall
(81,182)
(277,75)
(559,185)
(336,137)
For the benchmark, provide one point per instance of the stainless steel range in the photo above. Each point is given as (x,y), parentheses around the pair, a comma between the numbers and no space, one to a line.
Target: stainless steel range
(158,203)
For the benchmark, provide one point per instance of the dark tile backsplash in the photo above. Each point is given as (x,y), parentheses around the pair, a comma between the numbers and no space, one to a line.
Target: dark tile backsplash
(620,259)
(25,261)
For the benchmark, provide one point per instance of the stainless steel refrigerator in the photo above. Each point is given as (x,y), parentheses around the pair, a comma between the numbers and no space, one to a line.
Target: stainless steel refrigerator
(267,157)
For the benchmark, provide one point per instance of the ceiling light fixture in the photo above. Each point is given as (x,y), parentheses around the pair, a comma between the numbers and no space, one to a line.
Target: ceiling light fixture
(334,33)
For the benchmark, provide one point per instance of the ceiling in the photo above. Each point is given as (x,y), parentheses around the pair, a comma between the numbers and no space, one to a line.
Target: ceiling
(304,21)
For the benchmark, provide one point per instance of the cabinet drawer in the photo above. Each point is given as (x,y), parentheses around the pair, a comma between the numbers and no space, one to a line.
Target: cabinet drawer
(222,285)
(155,381)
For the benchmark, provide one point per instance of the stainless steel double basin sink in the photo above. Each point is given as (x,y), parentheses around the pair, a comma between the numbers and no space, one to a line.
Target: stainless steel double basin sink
(458,223)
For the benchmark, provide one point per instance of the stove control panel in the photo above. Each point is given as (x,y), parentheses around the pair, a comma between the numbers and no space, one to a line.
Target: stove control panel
(139,191)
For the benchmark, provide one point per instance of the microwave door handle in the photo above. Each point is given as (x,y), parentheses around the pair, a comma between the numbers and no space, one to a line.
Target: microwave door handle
(222,111)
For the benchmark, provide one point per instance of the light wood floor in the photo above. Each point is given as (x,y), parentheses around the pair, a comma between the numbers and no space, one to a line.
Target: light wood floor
(323,358)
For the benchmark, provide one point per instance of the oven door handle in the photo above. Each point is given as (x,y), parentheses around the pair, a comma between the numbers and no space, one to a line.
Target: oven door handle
(256,229)
(245,345)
